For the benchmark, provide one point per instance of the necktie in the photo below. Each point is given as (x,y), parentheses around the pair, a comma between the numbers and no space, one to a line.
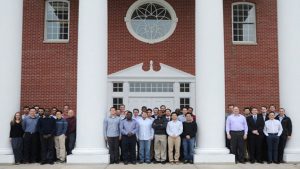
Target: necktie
(255,118)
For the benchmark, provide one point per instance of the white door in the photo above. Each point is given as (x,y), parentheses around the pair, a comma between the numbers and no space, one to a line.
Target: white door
(150,102)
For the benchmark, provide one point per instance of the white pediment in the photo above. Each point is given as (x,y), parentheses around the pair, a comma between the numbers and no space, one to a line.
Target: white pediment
(137,72)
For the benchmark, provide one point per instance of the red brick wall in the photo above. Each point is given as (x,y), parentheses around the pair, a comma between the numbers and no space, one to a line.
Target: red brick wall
(177,51)
(48,70)
(252,70)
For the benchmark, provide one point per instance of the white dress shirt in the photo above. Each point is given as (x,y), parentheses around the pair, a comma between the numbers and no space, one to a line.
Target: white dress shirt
(273,126)
(146,131)
(174,128)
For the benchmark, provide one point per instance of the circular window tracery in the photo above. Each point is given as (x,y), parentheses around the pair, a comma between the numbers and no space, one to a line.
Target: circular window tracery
(151,21)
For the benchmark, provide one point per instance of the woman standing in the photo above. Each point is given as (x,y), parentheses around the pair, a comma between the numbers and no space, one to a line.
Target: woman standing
(16,137)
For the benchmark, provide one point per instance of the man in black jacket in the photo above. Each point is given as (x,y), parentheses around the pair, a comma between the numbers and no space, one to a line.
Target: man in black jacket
(286,134)
(256,125)
(160,138)
(46,127)
(188,138)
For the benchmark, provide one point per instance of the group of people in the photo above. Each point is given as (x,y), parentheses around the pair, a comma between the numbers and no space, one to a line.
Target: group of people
(257,136)
(149,135)
(160,135)
(43,135)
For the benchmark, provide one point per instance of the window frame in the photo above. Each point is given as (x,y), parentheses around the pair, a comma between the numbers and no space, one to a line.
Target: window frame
(46,40)
(117,106)
(232,23)
(163,3)
(185,104)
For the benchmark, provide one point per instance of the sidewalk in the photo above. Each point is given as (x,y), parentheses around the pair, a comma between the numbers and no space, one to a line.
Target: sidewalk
(154,166)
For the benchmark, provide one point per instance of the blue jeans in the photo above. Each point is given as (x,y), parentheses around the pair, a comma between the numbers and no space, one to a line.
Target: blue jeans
(188,148)
(145,150)
(273,141)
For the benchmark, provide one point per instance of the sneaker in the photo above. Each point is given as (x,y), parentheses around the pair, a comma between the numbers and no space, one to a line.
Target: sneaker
(177,162)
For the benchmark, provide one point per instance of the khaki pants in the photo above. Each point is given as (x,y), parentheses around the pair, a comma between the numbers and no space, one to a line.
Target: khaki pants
(60,147)
(160,147)
(174,141)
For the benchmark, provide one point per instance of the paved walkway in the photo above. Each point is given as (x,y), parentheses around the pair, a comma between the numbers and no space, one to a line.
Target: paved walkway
(154,166)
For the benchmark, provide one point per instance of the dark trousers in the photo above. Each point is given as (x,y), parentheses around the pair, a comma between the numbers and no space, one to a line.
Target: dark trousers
(31,147)
(70,142)
(17,146)
(113,143)
(47,148)
(237,145)
(265,149)
(281,146)
(128,147)
(273,141)
(255,147)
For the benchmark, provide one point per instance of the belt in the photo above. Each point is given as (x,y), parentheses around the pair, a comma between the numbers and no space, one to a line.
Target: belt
(237,131)
(272,134)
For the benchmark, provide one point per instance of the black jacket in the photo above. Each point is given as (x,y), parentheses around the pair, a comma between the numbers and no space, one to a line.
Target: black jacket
(286,123)
(160,125)
(189,129)
(46,126)
(259,125)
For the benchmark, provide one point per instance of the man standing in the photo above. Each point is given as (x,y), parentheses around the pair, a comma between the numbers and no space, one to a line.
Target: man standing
(129,128)
(272,130)
(71,132)
(122,112)
(60,137)
(286,133)
(168,115)
(145,135)
(136,114)
(160,138)
(66,111)
(256,125)
(112,135)
(188,135)
(182,116)
(46,128)
(30,137)
(237,129)
(174,130)
(228,113)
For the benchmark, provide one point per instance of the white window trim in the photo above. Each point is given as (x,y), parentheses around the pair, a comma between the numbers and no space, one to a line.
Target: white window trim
(45,23)
(232,21)
(141,2)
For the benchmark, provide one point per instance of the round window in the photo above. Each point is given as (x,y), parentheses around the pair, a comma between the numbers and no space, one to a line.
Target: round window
(151,21)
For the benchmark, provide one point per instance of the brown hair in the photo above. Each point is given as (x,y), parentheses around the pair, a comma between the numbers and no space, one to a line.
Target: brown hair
(13,121)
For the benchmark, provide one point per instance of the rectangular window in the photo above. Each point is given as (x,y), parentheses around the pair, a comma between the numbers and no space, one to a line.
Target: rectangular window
(117,87)
(117,102)
(243,22)
(184,87)
(57,21)
(151,87)
(184,102)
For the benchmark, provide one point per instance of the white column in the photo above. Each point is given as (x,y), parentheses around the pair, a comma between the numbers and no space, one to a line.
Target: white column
(91,83)
(210,83)
(11,18)
(289,70)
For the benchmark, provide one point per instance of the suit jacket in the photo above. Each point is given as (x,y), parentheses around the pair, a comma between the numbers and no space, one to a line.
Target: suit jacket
(286,123)
(258,125)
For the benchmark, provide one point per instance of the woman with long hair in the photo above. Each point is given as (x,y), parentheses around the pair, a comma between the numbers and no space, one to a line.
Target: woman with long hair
(16,137)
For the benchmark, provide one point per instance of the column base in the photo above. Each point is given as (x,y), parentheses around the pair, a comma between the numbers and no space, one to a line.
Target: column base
(6,156)
(213,156)
(88,156)
(292,156)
